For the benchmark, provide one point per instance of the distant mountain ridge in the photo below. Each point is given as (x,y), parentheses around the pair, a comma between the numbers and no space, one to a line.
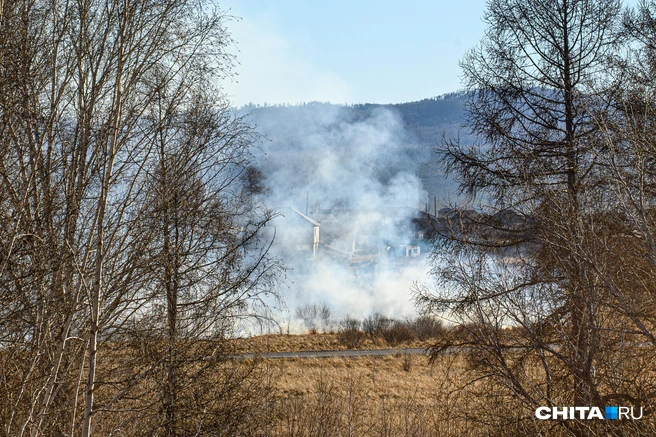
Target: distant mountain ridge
(296,135)
(427,119)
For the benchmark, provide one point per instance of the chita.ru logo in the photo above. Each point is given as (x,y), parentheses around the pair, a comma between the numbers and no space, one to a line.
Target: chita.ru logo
(588,413)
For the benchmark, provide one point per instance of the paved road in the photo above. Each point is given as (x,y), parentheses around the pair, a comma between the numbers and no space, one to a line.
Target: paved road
(330,354)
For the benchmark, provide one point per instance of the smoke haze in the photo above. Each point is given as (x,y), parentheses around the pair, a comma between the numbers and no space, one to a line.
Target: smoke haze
(318,149)
(355,173)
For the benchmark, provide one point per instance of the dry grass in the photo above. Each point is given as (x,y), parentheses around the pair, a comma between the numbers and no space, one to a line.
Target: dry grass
(406,395)
(382,396)
(370,396)
(380,377)
(313,342)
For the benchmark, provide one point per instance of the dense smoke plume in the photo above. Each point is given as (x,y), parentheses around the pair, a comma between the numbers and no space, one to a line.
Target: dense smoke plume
(338,158)
(322,159)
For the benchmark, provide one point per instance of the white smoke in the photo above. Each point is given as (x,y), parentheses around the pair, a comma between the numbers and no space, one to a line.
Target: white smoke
(318,157)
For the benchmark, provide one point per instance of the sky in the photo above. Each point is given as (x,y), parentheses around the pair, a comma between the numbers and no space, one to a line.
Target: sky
(356,51)
(350,51)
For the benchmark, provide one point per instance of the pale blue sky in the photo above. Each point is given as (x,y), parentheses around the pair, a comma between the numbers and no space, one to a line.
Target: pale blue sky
(357,51)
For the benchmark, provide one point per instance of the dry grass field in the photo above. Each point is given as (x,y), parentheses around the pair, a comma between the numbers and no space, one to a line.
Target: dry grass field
(315,342)
(397,395)
(393,395)
(361,396)
(369,396)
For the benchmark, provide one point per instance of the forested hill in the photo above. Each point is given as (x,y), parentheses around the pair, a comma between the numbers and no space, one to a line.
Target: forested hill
(428,119)
(425,119)
(388,139)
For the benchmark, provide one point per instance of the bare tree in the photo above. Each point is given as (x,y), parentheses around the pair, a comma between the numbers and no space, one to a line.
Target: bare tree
(629,172)
(204,277)
(518,276)
(81,139)
(315,316)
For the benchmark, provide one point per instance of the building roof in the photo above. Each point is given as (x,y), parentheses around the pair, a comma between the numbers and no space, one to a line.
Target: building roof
(314,222)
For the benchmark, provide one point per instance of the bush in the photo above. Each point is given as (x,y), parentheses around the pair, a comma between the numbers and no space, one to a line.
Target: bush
(375,324)
(407,363)
(350,333)
(399,332)
(314,316)
(427,327)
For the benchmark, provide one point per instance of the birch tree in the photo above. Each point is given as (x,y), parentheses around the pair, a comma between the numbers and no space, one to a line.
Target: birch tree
(80,137)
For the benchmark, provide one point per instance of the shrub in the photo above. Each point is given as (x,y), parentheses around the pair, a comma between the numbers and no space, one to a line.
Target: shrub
(350,333)
(375,324)
(399,332)
(407,363)
(314,316)
(427,327)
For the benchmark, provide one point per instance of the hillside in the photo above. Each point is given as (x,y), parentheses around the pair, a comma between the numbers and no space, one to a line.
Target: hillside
(426,119)
(391,139)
